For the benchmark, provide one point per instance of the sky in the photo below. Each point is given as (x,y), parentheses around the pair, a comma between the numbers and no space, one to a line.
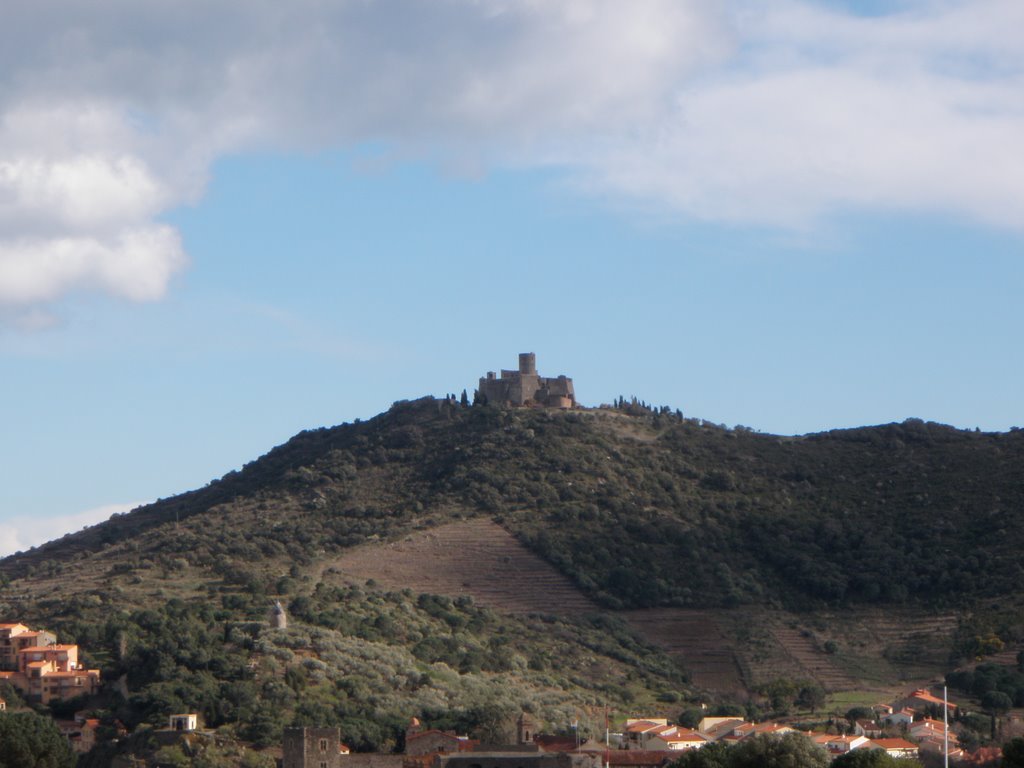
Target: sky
(225,222)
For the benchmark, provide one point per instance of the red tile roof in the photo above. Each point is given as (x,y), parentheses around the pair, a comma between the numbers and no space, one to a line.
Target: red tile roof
(640,726)
(421,734)
(556,743)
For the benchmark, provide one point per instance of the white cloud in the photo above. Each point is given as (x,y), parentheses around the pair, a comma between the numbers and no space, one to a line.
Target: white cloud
(21,533)
(134,264)
(111,113)
(823,112)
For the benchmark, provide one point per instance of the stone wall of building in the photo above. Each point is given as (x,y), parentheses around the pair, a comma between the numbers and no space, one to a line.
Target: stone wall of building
(526,387)
(312,748)
(513,759)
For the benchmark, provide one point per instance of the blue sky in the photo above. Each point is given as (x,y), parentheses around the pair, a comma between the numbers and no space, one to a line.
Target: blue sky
(793,218)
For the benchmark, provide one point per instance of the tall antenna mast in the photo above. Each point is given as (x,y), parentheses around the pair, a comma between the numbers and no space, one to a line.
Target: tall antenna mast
(945,729)
(607,739)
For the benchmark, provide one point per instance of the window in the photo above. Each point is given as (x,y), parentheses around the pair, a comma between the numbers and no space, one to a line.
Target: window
(323,746)
(323,764)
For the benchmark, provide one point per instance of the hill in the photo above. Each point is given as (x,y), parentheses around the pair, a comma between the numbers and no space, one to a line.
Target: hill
(638,510)
(461,562)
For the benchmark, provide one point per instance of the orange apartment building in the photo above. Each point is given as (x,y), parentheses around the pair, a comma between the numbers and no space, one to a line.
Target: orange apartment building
(40,668)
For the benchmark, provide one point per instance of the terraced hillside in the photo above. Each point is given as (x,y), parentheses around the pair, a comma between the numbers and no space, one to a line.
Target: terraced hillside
(474,557)
(698,641)
(810,658)
(727,651)
(481,559)
(915,643)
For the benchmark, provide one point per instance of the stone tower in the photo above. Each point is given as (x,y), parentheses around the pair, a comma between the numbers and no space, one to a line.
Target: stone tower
(526,387)
(312,748)
(278,618)
(526,728)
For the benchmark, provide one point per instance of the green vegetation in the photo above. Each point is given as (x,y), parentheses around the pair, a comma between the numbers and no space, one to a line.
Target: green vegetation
(28,740)
(1013,753)
(872,758)
(363,660)
(988,679)
(623,503)
(793,750)
(639,506)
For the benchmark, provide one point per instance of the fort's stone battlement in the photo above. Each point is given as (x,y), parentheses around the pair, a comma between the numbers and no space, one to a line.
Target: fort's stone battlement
(524,387)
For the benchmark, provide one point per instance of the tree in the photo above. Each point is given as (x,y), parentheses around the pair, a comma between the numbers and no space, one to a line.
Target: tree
(28,740)
(781,693)
(1013,753)
(859,713)
(714,755)
(872,758)
(811,696)
(464,400)
(794,750)
(996,703)
(690,717)
(257,760)
(728,710)
(172,755)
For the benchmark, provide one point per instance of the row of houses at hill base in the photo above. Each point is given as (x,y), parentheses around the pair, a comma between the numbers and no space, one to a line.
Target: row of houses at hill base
(903,729)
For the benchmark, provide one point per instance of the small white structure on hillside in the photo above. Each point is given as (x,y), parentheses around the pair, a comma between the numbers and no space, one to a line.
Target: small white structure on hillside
(186,723)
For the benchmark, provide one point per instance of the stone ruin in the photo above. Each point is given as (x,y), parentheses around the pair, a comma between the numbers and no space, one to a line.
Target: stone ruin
(278,618)
(525,388)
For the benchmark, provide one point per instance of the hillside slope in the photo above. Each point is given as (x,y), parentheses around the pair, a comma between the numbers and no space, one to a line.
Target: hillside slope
(638,510)
(457,561)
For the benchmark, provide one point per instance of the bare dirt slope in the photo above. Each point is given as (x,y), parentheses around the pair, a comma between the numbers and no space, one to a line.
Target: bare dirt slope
(474,557)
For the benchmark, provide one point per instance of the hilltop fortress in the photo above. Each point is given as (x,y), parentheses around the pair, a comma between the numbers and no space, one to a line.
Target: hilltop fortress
(525,387)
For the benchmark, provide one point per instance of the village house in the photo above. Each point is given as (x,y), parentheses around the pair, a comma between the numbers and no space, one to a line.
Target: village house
(14,637)
(715,728)
(40,668)
(902,718)
(679,739)
(555,743)
(868,728)
(637,730)
(657,737)
(423,745)
(511,758)
(81,734)
(420,741)
(898,748)
(927,728)
(923,701)
(840,745)
(745,730)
